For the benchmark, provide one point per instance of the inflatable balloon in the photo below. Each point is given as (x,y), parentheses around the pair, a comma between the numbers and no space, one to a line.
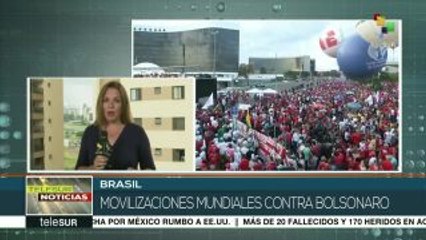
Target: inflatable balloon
(370,32)
(329,41)
(359,59)
(391,37)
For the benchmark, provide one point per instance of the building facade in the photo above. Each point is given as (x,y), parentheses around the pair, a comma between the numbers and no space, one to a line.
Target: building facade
(198,50)
(282,65)
(46,124)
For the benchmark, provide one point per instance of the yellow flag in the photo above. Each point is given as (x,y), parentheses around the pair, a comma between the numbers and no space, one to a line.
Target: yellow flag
(248,119)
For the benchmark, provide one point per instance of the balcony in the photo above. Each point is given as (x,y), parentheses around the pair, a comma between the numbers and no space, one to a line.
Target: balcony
(36,96)
(38,154)
(37,116)
(37,135)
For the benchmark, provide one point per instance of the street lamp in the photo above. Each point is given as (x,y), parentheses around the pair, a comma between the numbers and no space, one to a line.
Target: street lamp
(214,33)
(183,57)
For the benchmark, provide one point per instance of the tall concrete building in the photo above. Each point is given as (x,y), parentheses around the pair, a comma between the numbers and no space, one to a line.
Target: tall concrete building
(282,65)
(164,107)
(198,50)
(46,124)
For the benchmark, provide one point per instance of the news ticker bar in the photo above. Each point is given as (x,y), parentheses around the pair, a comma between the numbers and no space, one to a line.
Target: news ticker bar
(212,222)
(67,195)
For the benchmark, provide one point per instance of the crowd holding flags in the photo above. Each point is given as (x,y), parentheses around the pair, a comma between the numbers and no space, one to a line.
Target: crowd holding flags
(336,125)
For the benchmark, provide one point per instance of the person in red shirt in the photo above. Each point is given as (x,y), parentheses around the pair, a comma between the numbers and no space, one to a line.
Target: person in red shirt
(324,165)
(244,164)
(354,164)
(392,151)
(271,165)
(316,149)
(283,153)
(356,138)
(340,160)
(387,165)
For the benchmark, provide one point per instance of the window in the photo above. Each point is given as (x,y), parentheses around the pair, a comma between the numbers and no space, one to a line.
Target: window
(38,163)
(38,145)
(178,92)
(179,123)
(158,152)
(157,121)
(178,155)
(157,90)
(135,94)
(138,121)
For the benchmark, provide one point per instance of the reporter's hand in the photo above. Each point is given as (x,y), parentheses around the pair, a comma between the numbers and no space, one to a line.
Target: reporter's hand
(100,162)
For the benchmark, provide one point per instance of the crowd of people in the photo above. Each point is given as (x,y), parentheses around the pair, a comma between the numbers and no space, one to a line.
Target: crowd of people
(335,125)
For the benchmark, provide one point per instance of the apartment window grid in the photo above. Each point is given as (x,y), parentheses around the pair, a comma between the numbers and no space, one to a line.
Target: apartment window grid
(178,155)
(135,94)
(178,92)
(178,123)
(138,121)
(158,152)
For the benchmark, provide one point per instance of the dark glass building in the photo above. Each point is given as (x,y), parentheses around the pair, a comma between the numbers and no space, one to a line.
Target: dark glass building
(201,50)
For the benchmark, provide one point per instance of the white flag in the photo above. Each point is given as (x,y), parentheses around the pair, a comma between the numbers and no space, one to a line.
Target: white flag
(209,102)
(370,100)
(377,97)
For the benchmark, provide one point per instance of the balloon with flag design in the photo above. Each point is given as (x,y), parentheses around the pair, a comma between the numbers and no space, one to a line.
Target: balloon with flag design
(330,40)
(360,59)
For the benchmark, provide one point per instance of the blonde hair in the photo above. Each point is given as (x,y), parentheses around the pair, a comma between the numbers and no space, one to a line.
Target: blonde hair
(125,116)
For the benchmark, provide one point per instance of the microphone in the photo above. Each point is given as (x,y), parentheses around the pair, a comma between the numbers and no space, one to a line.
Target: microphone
(103,148)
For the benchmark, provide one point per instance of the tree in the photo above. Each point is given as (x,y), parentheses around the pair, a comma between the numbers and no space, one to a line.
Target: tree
(305,74)
(291,74)
(334,73)
(250,69)
(245,69)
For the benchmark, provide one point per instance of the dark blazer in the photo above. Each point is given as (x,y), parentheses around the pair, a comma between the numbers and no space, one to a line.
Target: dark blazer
(132,148)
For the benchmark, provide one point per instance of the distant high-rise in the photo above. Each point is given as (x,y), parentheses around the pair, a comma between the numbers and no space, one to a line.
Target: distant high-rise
(282,65)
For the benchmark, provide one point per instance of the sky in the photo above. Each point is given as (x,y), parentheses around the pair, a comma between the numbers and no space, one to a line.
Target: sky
(78,91)
(273,38)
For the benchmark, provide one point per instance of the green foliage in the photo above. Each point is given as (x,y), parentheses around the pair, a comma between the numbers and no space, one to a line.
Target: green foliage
(391,77)
(305,74)
(377,80)
(332,73)
(69,117)
(376,83)
(296,74)
(291,75)
(245,69)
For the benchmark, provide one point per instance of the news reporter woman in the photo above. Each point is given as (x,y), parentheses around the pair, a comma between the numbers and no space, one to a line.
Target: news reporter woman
(113,141)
